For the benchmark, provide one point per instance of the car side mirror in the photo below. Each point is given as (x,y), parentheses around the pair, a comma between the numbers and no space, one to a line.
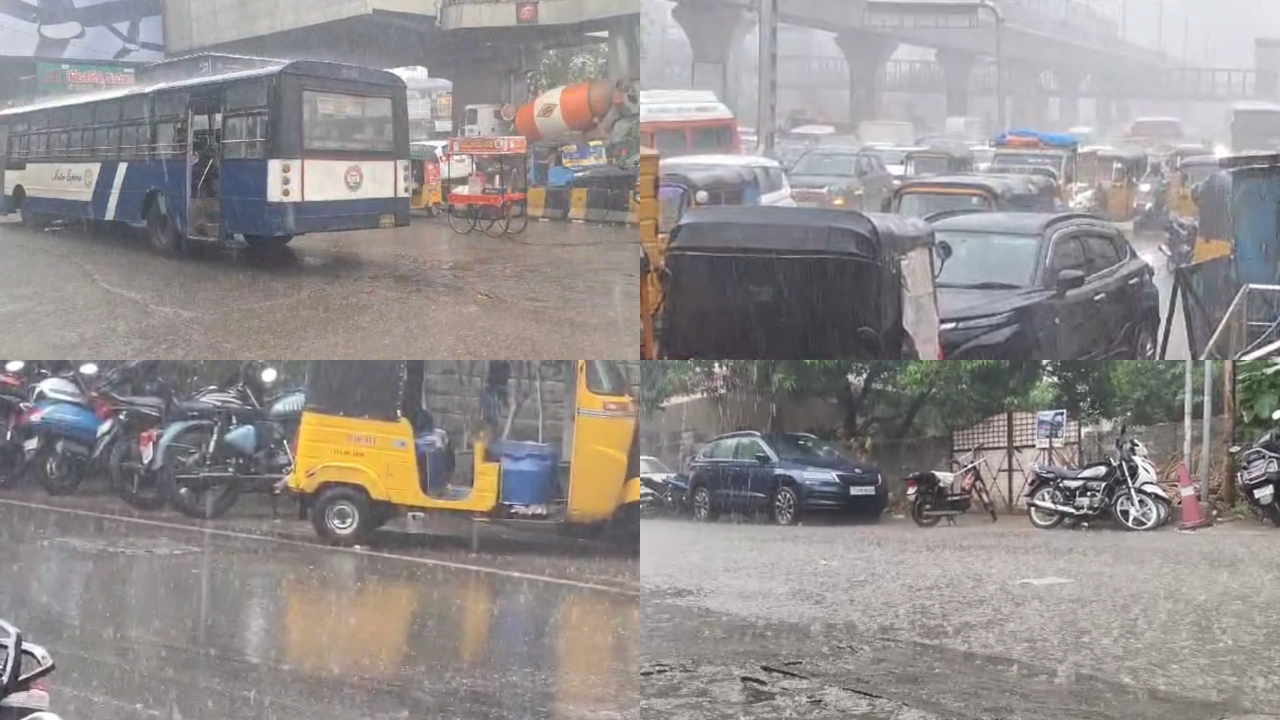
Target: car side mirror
(1070,280)
(763,458)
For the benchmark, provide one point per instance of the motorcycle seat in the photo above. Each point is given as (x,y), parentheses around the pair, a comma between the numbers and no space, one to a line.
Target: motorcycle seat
(143,403)
(1071,473)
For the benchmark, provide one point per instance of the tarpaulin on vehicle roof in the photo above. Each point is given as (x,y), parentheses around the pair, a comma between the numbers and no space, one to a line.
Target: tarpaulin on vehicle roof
(355,388)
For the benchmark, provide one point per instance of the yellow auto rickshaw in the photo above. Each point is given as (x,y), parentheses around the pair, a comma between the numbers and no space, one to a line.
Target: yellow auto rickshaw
(650,249)
(368,451)
(1187,175)
(1113,177)
(424,164)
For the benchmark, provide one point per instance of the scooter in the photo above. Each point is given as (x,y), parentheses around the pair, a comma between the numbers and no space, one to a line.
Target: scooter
(22,666)
(15,403)
(62,428)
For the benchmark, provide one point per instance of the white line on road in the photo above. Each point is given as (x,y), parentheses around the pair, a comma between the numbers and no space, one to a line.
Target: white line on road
(357,551)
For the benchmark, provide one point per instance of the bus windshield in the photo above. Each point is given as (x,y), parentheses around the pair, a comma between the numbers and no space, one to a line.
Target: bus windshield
(331,121)
(1162,129)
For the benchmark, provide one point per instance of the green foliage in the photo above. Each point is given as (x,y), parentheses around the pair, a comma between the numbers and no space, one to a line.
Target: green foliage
(893,399)
(1257,394)
(565,66)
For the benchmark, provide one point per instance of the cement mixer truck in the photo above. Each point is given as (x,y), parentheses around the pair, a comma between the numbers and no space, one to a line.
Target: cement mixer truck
(593,110)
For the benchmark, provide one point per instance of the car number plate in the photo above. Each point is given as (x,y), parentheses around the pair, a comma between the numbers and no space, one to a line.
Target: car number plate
(862,490)
(1265,492)
(387,221)
(31,444)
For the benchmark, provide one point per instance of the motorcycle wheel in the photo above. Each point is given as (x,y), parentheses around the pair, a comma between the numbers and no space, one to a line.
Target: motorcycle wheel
(1039,517)
(137,487)
(918,507)
(57,475)
(1138,518)
(1164,510)
(208,504)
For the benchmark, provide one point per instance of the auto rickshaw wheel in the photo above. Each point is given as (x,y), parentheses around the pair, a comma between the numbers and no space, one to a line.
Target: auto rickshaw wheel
(342,515)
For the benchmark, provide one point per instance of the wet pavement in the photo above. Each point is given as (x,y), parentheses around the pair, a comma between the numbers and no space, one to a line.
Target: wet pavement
(157,619)
(1148,246)
(893,621)
(557,290)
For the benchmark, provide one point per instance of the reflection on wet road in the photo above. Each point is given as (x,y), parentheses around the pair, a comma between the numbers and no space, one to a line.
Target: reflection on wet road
(892,621)
(165,622)
(558,290)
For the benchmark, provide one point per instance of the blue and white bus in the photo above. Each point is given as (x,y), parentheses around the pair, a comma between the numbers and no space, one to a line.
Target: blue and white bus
(264,155)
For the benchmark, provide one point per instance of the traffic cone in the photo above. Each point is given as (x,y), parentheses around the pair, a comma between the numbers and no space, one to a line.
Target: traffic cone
(1192,518)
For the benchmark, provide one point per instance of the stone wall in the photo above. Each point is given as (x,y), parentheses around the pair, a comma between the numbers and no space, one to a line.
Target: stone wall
(1164,442)
(453,397)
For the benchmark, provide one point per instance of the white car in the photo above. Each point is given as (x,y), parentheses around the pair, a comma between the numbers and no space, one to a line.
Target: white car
(775,189)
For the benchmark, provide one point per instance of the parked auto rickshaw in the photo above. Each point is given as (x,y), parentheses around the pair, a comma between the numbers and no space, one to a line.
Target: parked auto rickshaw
(651,247)
(425,167)
(711,186)
(938,160)
(923,197)
(364,456)
(1186,176)
(793,283)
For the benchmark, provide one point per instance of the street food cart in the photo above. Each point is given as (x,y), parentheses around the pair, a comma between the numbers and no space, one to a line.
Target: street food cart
(494,198)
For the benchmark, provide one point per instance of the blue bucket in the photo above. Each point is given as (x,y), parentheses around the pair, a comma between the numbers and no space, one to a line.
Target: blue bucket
(528,472)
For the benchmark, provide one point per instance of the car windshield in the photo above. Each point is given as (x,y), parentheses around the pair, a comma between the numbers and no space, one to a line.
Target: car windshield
(920,204)
(807,449)
(929,164)
(649,466)
(825,164)
(890,157)
(988,260)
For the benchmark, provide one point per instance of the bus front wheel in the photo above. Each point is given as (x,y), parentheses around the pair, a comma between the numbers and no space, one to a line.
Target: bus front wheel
(162,232)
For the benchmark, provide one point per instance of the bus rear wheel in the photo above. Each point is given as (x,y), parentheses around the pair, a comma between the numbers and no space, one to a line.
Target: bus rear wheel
(34,221)
(162,232)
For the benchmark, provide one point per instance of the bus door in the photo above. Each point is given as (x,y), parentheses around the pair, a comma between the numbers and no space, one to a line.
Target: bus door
(204,165)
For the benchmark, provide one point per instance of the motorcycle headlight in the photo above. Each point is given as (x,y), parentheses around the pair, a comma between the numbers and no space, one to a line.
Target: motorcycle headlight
(1144,187)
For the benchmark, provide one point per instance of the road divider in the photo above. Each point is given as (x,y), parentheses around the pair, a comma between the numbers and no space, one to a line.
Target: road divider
(613,206)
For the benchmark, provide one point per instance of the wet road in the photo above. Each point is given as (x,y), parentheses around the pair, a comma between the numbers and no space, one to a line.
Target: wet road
(151,620)
(892,621)
(558,290)
(1148,246)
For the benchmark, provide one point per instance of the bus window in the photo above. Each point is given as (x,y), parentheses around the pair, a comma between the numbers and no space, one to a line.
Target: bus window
(251,94)
(605,377)
(346,122)
(713,139)
(670,141)
(173,105)
(135,109)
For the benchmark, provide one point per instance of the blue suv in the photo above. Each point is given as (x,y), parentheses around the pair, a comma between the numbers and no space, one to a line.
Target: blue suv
(788,474)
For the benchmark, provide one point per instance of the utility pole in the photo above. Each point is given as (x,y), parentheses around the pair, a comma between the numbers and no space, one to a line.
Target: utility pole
(1188,408)
(767,100)
(1206,428)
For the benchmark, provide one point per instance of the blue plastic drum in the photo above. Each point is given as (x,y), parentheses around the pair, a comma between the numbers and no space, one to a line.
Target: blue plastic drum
(528,472)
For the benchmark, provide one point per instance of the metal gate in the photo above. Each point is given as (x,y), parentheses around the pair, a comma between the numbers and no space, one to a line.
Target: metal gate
(1009,442)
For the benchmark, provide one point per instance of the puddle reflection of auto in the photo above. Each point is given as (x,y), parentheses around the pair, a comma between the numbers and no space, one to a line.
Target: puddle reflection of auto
(786,474)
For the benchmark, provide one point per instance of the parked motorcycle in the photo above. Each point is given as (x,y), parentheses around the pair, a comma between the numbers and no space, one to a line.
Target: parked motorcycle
(205,463)
(1180,242)
(22,666)
(1258,472)
(15,403)
(62,429)
(1110,487)
(934,494)
(127,439)
(663,494)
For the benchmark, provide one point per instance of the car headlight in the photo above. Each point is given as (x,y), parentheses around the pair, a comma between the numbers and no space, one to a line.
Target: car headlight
(1144,187)
(810,477)
(990,321)
(701,196)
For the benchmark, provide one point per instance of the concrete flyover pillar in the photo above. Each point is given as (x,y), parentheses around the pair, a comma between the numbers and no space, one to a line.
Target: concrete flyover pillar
(624,48)
(1069,83)
(1104,112)
(957,74)
(865,55)
(1029,100)
(714,32)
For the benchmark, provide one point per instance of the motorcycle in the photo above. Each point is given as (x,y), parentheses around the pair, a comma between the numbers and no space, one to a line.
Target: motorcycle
(127,439)
(934,494)
(1111,487)
(663,494)
(1258,473)
(204,464)
(1180,241)
(14,405)
(62,429)
(22,666)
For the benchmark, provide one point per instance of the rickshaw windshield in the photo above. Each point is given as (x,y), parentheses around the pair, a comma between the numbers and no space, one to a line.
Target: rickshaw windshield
(672,201)
(921,204)
(1196,174)
(928,164)
(605,377)
(356,388)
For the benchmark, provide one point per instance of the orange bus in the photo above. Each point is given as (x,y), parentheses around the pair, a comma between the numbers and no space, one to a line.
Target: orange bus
(687,122)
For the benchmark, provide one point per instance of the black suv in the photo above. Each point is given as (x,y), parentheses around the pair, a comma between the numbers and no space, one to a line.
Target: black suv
(1044,286)
(786,473)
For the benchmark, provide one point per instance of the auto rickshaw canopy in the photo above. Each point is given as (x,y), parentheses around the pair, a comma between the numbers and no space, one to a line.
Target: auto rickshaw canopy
(938,160)
(799,283)
(994,192)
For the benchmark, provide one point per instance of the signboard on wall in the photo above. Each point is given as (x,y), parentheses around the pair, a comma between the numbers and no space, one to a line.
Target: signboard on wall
(58,78)
(122,30)
(526,13)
